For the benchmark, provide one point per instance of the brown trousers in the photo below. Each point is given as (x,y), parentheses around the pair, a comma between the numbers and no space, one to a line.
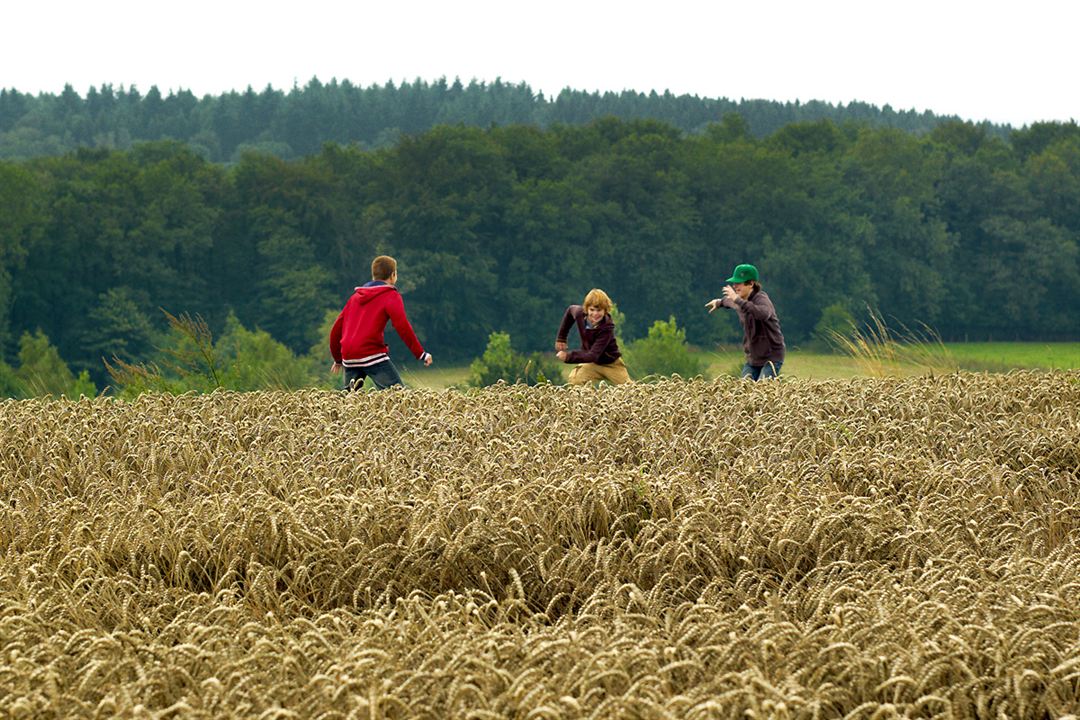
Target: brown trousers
(615,373)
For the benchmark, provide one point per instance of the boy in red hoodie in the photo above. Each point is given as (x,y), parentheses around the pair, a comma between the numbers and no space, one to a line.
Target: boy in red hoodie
(356,340)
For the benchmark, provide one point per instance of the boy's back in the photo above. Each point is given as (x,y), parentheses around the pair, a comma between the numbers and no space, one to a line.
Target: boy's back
(361,326)
(357,341)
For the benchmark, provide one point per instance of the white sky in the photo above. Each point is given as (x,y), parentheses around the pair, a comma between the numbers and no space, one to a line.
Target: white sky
(988,60)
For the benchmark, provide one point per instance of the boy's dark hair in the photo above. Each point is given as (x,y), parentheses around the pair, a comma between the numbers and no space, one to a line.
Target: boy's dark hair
(383,267)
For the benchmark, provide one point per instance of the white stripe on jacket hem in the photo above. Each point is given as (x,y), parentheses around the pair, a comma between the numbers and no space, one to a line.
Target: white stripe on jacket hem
(376,359)
(366,361)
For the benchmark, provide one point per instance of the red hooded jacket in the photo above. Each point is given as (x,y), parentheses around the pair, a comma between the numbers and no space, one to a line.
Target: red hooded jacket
(356,339)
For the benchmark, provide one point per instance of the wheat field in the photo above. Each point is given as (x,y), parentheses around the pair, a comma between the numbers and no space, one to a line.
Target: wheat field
(871,548)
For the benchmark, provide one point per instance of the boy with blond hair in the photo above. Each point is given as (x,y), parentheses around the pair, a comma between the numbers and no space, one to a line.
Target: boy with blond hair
(357,343)
(599,354)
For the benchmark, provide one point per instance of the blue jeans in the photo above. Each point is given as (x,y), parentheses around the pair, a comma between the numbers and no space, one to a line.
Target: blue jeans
(383,374)
(761,372)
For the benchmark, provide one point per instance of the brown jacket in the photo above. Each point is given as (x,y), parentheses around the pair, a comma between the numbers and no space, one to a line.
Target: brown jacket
(762,340)
(598,344)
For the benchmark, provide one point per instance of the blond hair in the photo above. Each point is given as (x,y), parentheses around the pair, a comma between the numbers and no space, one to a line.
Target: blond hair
(597,298)
(383,267)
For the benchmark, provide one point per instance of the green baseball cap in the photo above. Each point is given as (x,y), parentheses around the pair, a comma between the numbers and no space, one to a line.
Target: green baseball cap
(743,273)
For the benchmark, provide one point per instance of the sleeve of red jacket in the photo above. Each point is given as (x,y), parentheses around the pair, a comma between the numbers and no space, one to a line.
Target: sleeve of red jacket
(396,310)
(335,338)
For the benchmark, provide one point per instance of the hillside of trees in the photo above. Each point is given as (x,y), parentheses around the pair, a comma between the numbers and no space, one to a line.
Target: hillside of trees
(298,122)
(501,228)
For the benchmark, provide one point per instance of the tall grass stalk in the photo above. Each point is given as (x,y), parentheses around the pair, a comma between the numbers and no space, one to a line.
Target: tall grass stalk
(881,351)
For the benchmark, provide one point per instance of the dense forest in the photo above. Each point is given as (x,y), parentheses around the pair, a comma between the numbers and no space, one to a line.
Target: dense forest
(500,228)
(297,123)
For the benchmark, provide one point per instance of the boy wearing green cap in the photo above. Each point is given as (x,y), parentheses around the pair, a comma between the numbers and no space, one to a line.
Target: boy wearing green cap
(763,342)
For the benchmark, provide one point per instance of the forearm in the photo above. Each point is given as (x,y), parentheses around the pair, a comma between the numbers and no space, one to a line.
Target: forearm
(593,352)
(405,331)
(581,356)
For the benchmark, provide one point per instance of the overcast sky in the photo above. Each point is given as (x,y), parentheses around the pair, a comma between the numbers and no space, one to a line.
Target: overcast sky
(1004,62)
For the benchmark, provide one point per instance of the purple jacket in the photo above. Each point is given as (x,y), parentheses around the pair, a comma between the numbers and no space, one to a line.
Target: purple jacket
(598,344)
(762,340)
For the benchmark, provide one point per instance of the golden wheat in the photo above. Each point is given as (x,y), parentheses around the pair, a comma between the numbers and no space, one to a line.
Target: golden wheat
(866,548)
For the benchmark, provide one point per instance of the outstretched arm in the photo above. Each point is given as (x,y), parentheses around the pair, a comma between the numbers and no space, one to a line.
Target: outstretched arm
(396,310)
(715,303)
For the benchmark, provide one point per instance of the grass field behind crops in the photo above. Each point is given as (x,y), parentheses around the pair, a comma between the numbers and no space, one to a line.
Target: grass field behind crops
(1009,355)
(992,357)
(855,548)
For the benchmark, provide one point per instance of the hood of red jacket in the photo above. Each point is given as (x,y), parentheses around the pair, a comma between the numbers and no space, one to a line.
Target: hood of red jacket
(367,293)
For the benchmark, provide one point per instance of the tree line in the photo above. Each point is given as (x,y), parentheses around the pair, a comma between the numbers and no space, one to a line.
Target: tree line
(499,229)
(298,122)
